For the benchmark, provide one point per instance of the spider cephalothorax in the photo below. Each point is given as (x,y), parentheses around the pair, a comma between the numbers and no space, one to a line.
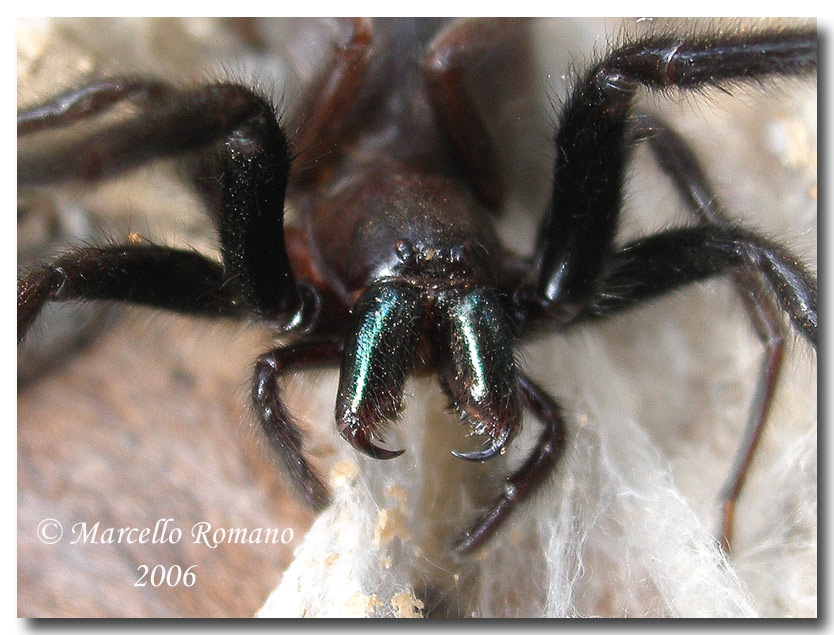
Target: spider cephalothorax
(429,256)
(397,266)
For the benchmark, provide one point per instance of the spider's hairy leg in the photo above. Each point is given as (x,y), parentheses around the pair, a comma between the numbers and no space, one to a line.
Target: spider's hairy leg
(185,120)
(654,265)
(767,322)
(576,237)
(90,100)
(283,435)
(239,130)
(443,68)
(579,273)
(678,161)
(532,473)
(162,277)
(329,102)
(254,171)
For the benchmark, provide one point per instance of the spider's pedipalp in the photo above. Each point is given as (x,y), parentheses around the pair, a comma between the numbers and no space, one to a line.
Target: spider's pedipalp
(522,483)
(282,434)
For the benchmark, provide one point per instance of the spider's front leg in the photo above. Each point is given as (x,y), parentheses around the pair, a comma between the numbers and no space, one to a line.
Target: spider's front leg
(580,274)
(576,240)
(78,104)
(162,277)
(649,267)
(252,164)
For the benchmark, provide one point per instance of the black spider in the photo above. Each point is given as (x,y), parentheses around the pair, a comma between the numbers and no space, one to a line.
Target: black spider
(398,260)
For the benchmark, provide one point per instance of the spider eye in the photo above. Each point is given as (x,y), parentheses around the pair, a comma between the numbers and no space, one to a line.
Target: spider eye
(477,367)
(376,363)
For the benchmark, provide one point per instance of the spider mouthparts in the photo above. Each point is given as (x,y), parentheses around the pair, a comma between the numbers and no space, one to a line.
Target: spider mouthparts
(362,442)
(488,450)
(377,452)
(376,360)
(476,367)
